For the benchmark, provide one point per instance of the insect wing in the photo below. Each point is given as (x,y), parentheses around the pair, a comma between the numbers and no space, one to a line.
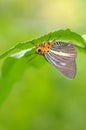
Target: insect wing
(62,56)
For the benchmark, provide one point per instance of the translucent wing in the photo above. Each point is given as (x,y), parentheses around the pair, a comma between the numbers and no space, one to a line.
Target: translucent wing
(62,56)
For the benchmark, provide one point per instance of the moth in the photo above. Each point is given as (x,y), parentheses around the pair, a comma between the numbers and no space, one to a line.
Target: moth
(61,55)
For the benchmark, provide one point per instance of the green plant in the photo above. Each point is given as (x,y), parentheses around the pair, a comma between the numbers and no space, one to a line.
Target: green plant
(17,56)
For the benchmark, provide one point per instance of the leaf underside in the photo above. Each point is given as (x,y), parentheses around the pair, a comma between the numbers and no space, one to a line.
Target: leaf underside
(60,35)
(14,66)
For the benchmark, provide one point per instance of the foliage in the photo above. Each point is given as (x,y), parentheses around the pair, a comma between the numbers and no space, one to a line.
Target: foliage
(24,52)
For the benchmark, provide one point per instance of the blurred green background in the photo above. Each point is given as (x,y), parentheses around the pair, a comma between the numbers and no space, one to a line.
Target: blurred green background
(43,99)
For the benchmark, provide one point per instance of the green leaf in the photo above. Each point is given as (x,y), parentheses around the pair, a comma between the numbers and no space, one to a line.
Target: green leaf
(60,35)
(12,71)
(15,65)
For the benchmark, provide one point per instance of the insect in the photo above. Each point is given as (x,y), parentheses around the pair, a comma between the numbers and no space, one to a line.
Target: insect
(61,55)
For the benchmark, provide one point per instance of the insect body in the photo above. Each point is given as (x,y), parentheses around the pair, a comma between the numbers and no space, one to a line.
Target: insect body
(43,48)
(61,55)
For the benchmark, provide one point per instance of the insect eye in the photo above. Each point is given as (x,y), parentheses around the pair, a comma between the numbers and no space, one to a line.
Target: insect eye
(39,50)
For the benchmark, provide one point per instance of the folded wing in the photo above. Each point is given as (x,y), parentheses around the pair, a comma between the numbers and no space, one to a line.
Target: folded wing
(62,56)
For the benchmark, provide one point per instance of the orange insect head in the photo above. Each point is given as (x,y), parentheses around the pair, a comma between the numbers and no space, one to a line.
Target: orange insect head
(43,48)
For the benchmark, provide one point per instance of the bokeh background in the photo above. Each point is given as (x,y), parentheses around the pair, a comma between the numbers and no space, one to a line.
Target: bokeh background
(43,99)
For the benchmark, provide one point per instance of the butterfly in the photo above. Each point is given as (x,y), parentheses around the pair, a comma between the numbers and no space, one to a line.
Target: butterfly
(61,55)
